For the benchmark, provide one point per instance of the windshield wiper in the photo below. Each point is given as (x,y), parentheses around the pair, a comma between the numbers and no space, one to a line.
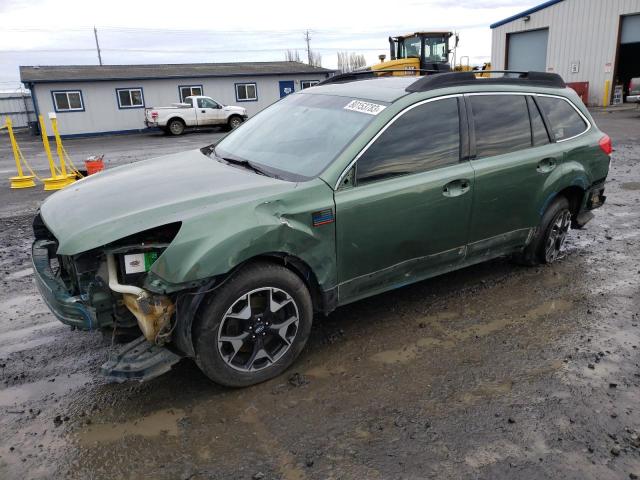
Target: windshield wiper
(246,164)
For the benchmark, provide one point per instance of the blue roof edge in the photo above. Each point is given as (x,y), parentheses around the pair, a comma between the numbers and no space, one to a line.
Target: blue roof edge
(537,8)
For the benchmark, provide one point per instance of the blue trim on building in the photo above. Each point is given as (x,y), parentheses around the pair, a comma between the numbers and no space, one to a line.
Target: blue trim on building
(112,132)
(535,9)
(133,107)
(75,110)
(235,88)
(180,99)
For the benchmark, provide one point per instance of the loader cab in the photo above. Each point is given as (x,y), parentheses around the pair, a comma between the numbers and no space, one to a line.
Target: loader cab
(429,49)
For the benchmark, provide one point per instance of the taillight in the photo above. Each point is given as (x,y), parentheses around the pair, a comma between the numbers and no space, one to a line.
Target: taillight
(154,114)
(605,144)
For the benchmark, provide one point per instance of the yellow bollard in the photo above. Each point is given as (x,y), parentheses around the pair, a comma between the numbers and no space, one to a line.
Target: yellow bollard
(22,180)
(55,181)
(607,86)
(59,149)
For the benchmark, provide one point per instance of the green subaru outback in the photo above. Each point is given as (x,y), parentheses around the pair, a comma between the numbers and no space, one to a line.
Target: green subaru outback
(331,195)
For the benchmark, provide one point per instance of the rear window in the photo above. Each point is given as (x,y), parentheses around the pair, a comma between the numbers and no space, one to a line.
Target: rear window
(564,121)
(501,124)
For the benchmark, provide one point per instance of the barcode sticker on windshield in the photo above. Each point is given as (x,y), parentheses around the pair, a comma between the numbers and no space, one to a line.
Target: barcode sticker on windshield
(364,107)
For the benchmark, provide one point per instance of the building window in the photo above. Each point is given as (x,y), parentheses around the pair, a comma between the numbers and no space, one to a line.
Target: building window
(68,101)
(189,91)
(246,92)
(308,83)
(130,97)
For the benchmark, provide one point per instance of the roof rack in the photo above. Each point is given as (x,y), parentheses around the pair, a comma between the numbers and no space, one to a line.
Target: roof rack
(510,77)
(357,75)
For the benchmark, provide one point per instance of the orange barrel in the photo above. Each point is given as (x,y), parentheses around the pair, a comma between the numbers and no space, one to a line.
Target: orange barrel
(94,166)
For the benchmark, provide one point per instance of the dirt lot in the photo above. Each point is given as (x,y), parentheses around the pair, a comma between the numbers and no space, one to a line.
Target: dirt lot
(495,371)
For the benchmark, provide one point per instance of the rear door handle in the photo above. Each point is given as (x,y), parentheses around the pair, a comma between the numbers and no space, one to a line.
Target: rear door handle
(456,188)
(546,165)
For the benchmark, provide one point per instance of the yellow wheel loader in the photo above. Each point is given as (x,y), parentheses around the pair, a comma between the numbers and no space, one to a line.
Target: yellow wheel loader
(418,52)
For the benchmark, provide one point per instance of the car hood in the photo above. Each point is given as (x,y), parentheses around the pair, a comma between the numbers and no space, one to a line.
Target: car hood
(233,108)
(125,200)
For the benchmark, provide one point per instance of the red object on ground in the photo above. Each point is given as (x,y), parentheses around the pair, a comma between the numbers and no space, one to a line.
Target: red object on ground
(94,165)
(582,89)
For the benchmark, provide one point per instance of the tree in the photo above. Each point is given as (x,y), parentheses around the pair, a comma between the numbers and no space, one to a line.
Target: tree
(315,59)
(348,62)
(292,56)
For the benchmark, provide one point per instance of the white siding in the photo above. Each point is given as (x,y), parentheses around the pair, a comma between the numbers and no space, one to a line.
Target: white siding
(584,31)
(101,113)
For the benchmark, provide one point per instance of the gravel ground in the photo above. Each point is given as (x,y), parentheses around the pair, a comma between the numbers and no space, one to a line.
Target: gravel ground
(495,371)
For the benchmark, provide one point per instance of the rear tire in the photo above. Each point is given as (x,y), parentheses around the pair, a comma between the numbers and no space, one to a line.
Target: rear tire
(549,239)
(254,326)
(176,126)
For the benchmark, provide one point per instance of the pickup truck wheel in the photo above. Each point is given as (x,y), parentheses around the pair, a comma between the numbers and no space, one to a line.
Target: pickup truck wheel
(234,122)
(254,326)
(550,236)
(175,126)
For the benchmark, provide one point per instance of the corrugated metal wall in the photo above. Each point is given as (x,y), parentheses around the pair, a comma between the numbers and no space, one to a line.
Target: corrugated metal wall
(18,106)
(580,31)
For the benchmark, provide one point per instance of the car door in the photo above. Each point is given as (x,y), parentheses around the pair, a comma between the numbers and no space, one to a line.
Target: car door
(209,112)
(512,158)
(406,216)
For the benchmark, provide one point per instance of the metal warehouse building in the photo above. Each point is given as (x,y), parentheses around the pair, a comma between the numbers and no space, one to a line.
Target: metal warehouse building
(593,44)
(107,99)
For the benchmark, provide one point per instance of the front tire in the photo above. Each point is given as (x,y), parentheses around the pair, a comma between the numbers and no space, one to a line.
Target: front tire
(254,326)
(551,235)
(234,122)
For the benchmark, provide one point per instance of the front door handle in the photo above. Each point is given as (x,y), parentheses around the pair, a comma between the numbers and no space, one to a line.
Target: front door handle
(456,187)
(546,165)
(203,111)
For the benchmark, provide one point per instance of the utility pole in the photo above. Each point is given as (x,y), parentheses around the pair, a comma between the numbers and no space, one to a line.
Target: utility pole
(307,38)
(95,34)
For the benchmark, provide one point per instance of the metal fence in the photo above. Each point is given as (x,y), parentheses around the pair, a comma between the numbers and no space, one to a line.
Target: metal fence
(18,106)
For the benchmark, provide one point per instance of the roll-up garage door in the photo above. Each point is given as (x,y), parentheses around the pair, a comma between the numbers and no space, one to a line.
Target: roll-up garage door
(630,29)
(527,50)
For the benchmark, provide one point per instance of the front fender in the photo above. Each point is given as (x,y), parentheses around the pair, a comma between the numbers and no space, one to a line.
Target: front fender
(215,243)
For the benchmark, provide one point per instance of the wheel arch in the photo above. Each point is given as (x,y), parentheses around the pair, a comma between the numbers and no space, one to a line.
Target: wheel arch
(180,119)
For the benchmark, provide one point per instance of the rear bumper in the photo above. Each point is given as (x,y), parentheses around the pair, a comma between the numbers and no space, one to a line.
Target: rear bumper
(67,308)
(151,124)
(593,198)
(633,98)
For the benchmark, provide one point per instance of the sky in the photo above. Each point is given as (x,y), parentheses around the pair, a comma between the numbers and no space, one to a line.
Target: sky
(60,32)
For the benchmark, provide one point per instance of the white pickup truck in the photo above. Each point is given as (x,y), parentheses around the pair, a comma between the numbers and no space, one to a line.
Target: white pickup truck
(196,111)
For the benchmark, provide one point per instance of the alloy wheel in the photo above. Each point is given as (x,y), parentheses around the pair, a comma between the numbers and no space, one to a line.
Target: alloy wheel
(557,235)
(258,329)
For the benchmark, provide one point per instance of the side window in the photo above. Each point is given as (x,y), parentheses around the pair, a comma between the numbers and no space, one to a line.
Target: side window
(425,137)
(501,124)
(565,121)
(206,103)
(538,130)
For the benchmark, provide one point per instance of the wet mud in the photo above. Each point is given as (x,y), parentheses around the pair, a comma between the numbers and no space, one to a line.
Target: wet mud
(495,371)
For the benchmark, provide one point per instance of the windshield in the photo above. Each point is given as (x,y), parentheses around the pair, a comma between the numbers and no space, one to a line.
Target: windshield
(297,137)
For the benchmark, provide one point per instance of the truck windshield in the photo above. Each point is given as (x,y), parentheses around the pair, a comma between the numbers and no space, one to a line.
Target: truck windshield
(297,137)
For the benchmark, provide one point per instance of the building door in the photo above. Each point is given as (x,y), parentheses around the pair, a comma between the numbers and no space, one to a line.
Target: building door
(527,51)
(629,51)
(286,87)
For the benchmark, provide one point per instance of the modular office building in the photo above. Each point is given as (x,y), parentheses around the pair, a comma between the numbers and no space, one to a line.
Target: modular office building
(105,99)
(593,44)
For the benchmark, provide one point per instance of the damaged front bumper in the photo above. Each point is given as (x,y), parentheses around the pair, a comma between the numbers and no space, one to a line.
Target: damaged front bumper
(67,308)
